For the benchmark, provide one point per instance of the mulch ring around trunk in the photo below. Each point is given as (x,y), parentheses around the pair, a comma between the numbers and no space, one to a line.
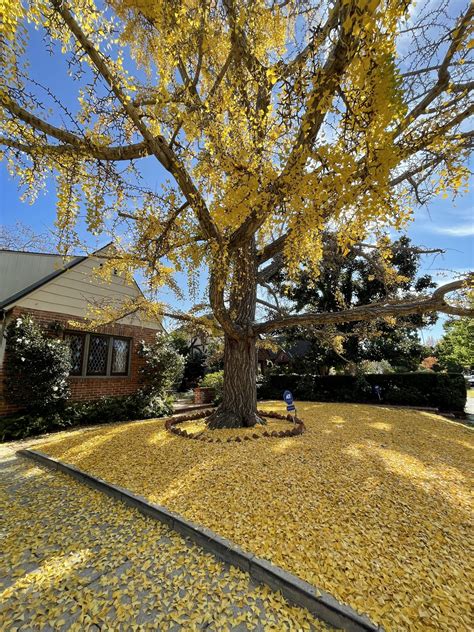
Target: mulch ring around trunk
(193,426)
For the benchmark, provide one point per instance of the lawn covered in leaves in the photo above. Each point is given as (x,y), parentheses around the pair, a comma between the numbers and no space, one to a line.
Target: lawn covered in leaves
(371,504)
(73,560)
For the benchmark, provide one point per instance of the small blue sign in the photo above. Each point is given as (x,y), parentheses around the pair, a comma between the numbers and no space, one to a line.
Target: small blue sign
(290,408)
(288,397)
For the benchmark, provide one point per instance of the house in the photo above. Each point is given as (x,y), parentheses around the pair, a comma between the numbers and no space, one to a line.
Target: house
(268,359)
(59,293)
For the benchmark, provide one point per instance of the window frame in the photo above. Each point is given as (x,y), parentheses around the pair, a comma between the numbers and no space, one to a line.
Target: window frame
(107,353)
(85,355)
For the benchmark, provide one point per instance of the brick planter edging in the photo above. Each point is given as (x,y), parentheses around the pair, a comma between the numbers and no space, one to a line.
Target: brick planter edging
(172,422)
(295,590)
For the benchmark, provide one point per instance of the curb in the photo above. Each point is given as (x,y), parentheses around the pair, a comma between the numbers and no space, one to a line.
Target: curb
(171,425)
(295,590)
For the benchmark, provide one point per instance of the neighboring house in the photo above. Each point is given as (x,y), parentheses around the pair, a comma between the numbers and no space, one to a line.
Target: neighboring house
(268,359)
(57,291)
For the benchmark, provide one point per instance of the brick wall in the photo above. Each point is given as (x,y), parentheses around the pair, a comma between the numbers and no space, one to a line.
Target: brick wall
(85,388)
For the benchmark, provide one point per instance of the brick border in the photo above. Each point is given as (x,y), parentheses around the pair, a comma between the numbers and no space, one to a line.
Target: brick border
(172,422)
(295,590)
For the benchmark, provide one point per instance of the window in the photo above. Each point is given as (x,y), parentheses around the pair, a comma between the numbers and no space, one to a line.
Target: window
(120,350)
(76,345)
(98,355)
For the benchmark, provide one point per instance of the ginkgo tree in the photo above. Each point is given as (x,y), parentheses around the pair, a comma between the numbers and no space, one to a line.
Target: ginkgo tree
(283,126)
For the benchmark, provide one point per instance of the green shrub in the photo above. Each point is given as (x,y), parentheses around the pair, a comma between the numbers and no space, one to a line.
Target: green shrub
(445,391)
(36,367)
(140,405)
(164,366)
(215,381)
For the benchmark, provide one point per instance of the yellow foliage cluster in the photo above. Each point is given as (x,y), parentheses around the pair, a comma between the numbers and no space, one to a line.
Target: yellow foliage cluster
(73,559)
(255,112)
(371,504)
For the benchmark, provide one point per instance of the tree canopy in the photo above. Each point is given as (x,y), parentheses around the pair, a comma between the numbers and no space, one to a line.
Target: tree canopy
(455,350)
(358,278)
(281,124)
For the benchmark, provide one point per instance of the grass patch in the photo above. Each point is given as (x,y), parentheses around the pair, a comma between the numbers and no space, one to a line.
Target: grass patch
(371,504)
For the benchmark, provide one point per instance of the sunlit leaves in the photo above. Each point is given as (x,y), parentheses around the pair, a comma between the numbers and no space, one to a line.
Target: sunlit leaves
(371,504)
(73,559)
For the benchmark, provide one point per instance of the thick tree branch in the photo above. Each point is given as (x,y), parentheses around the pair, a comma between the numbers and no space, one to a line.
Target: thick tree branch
(435,303)
(88,151)
(319,100)
(72,142)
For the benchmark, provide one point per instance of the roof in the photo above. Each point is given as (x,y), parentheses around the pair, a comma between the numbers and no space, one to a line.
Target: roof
(23,272)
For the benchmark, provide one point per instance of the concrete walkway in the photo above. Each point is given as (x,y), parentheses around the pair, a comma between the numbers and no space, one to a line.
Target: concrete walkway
(470,409)
(73,559)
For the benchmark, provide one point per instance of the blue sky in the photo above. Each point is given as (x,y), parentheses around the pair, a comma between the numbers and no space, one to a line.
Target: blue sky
(444,223)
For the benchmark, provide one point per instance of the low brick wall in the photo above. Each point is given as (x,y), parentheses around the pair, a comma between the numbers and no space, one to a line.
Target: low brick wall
(204,395)
(87,388)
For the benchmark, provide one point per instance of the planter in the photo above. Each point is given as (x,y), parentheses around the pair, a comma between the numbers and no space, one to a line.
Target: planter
(204,395)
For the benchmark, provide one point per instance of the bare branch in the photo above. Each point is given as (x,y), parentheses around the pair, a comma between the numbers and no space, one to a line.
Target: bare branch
(320,35)
(457,38)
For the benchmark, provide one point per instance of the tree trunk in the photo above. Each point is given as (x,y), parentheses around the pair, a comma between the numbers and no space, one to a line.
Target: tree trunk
(239,405)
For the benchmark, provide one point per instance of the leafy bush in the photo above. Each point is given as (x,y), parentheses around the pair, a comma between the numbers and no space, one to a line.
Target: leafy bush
(215,381)
(36,367)
(164,365)
(446,391)
(100,411)
(162,369)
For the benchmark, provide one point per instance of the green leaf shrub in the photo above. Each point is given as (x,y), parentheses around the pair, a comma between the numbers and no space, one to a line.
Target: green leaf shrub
(37,367)
(216,381)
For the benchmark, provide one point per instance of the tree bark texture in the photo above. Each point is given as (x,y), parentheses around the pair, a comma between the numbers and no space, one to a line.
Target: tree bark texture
(239,405)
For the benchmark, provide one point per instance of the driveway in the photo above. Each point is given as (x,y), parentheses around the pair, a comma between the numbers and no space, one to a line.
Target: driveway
(74,559)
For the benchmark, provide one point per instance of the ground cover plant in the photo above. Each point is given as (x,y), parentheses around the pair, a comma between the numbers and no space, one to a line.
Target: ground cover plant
(371,504)
(86,562)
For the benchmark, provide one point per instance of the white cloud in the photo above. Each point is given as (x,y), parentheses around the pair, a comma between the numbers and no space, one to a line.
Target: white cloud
(462,230)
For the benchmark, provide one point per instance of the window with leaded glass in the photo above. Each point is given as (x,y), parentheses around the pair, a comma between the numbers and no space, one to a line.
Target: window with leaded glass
(76,346)
(97,357)
(120,353)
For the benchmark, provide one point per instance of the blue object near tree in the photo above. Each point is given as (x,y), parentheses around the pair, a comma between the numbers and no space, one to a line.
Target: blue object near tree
(288,397)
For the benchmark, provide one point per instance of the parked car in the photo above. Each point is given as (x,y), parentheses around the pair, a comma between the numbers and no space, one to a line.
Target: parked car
(469,380)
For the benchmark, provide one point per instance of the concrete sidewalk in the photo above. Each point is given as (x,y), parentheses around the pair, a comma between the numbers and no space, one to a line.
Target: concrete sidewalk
(73,559)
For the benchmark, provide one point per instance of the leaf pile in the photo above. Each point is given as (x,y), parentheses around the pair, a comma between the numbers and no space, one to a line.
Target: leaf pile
(372,504)
(73,559)
(199,426)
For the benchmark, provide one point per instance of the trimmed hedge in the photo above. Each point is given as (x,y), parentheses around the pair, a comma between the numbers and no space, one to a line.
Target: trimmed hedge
(445,391)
